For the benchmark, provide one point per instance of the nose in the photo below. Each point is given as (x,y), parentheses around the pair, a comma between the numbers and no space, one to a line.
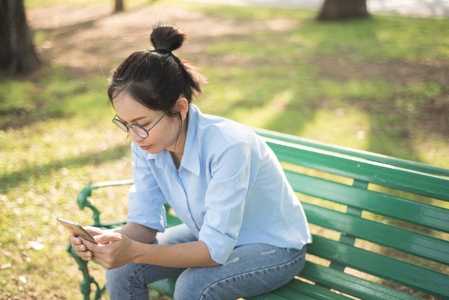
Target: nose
(134,136)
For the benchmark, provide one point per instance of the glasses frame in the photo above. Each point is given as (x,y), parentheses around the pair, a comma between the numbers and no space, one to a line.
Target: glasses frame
(117,122)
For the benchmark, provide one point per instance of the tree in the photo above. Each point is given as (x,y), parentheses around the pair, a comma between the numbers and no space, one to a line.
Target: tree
(343,9)
(119,7)
(17,52)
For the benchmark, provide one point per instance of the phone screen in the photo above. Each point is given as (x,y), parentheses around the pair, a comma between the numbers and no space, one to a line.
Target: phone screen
(77,230)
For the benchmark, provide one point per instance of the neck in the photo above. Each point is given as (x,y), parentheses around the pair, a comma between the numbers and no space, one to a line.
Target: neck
(177,149)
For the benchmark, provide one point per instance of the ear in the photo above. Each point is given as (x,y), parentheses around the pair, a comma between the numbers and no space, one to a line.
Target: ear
(182,106)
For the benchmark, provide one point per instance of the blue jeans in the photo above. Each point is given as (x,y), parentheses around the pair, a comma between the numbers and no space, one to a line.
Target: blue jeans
(251,270)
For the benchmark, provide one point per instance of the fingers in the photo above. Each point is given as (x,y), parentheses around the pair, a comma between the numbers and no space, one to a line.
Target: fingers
(78,244)
(107,256)
(81,246)
(103,252)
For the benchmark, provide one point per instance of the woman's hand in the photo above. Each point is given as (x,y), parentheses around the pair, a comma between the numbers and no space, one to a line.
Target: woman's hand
(78,243)
(112,251)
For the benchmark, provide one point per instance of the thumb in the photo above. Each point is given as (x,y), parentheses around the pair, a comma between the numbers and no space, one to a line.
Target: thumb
(93,230)
(108,238)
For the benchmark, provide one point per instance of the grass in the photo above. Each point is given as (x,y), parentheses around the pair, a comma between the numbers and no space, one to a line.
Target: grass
(346,109)
(378,84)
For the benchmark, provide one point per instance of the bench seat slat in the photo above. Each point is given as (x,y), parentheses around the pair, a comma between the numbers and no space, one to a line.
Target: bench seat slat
(290,294)
(315,291)
(382,266)
(268,296)
(351,285)
(172,220)
(164,286)
(390,206)
(386,235)
(382,174)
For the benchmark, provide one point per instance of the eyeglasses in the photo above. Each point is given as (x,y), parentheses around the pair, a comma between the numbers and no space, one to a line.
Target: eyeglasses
(138,129)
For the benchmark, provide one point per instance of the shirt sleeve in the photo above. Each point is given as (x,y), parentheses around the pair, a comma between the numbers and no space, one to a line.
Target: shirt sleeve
(225,201)
(146,201)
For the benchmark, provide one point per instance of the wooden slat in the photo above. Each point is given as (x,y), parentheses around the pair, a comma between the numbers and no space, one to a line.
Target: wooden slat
(385,267)
(267,296)
(382,174)
(314,291)
(387,205)
(386,235)
(351,285)
(290,294)
(165,286)
(172,220)
(406,164)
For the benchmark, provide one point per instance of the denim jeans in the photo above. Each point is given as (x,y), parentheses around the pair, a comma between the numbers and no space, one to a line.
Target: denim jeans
(251,270)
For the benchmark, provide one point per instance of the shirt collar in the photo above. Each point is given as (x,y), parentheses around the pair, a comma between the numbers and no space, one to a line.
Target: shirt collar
(190,160)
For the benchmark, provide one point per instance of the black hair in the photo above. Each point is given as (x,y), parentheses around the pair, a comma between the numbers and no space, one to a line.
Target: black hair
(157,78)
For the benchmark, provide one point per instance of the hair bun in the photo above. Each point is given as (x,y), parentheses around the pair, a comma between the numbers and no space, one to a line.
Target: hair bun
(167,37)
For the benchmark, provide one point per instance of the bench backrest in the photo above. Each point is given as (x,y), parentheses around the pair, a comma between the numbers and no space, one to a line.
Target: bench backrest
(382,220)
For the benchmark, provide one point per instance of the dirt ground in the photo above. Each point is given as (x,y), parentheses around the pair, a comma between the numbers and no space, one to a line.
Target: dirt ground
(90,41)
(91,38)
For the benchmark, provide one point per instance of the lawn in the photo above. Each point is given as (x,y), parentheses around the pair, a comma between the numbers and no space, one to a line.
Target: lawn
(379,84)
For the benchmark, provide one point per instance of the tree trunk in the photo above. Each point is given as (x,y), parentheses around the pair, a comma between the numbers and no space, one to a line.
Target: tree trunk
(343,9)
(119,7)
(17,53)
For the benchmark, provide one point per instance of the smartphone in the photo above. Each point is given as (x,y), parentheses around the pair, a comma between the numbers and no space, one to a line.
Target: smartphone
(77,230)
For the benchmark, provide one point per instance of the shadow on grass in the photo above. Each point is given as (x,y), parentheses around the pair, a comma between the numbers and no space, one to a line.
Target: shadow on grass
(50,93)
(360,65)
(14,179)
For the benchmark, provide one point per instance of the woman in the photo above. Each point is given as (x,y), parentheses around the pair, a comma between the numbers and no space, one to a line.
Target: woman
(244,231)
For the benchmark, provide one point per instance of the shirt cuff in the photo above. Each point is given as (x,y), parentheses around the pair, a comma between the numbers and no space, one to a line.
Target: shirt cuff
(220,245)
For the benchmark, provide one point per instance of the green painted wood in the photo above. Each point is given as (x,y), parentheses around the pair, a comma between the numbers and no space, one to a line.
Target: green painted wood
(172,220)
(267,296)
(165,286)
(290,294)
(314,291)
(406,164)
(382,266)
(382,174)
(351,285)
(387,205)
(411,242)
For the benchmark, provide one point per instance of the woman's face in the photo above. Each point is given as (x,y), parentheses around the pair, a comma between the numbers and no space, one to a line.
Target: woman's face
(163,135)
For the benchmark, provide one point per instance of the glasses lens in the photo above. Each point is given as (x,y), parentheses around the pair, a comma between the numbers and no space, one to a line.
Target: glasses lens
(139,130)
(120,125)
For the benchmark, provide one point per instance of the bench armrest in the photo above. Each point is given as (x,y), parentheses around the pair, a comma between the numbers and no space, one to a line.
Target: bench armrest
(87,192)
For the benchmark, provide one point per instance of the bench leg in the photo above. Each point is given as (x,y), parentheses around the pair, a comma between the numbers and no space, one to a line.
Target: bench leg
(87,279)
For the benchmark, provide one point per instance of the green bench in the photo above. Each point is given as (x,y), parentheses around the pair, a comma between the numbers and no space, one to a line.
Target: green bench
(380,225)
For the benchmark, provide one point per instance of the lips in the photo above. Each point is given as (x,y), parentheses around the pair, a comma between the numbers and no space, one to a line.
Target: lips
(145,148)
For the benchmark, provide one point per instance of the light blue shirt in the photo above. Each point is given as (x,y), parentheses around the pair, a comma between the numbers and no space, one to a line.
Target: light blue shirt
(230,189)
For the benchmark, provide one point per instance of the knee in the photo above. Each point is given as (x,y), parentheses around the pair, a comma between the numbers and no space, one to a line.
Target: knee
(189,286)
(200,284)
